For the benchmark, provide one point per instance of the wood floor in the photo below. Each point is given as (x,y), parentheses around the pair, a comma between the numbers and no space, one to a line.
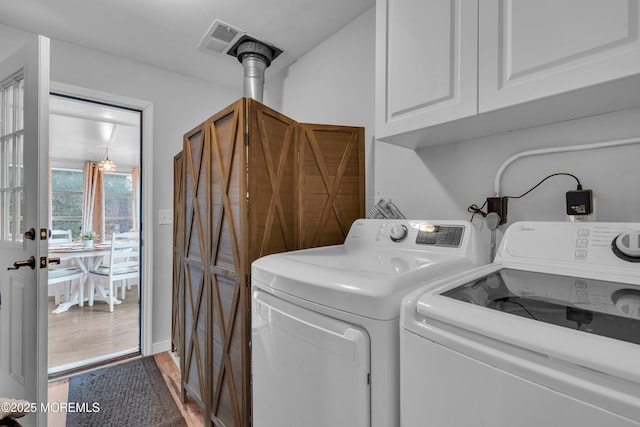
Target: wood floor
(89,333)
(84,334)
(192,413)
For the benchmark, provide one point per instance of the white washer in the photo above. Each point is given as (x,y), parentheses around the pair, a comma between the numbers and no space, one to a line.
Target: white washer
(547,335)
(325,321)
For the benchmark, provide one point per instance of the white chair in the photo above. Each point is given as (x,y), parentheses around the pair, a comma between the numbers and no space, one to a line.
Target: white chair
(60,236)
(64,274)
(61,274)
(123,264)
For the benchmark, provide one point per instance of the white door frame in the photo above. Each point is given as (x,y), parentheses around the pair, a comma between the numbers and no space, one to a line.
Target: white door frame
(147,195)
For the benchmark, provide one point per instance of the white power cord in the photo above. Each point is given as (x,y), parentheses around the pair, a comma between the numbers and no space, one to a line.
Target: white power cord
(493,220)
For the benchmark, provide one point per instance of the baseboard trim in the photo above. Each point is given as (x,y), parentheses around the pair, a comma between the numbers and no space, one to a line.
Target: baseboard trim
(159,347)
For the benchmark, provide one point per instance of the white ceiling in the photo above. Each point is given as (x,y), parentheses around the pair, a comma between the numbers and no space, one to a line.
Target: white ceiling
(166,34)
(81,131)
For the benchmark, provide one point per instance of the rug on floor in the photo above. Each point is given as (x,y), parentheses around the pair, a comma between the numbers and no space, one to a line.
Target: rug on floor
(130,394)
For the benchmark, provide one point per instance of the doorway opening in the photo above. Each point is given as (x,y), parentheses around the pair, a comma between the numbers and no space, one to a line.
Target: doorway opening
(87,193)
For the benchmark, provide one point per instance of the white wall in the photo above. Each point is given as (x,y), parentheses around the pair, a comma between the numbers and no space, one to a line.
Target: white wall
(443,181)
(179,104)
(334,82)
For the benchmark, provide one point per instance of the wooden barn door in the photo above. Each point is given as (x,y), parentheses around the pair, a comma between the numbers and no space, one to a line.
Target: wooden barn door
(193,360)
(330,183)
(255,183)
(272,157)
(227,268)
(177,312)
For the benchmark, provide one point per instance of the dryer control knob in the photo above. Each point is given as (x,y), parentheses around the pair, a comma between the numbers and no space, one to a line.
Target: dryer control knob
(628,244)
(398,232)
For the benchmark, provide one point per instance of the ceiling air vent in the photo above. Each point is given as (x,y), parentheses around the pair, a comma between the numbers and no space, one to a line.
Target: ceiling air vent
(220,37)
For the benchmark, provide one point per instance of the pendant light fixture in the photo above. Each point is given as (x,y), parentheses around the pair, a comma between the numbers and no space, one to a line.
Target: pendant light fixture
(107,165)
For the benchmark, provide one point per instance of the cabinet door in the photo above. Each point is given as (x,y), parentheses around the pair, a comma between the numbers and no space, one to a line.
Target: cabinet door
(426,63)
(534,49)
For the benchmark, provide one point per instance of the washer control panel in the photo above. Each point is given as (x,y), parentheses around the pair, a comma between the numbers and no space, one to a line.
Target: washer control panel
(594,245)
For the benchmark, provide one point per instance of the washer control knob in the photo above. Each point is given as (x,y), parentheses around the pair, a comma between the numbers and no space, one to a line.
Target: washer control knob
(398,232)
(628,243)
(628,302)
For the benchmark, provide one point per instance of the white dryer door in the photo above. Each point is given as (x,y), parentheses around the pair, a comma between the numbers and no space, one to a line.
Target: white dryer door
(308,369)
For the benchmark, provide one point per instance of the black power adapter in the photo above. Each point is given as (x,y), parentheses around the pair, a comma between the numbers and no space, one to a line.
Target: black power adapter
(579,202)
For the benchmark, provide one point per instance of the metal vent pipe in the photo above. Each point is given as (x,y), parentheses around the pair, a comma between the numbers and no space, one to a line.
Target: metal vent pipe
(255,58)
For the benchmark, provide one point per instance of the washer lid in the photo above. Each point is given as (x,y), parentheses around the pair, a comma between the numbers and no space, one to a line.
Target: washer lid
(582,322)
(364,280)
(588,305)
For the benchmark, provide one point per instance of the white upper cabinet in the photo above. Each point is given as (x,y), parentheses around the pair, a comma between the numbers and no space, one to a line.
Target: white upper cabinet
(533,49)
(426,63)
(453,70)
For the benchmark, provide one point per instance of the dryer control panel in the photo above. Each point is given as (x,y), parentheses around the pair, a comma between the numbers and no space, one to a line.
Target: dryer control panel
(429,234)
(440,235)
(410,233)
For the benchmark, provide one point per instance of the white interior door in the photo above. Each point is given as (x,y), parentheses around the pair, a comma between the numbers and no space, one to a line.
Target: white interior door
(24,121)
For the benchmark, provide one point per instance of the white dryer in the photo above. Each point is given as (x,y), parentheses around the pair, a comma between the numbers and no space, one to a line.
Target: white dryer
(547,335)
(325,321)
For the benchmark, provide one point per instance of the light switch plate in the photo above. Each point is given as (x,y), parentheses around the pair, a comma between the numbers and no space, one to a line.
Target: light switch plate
(165,216)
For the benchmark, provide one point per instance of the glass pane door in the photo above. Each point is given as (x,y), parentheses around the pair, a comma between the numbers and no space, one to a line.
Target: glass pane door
(11,158)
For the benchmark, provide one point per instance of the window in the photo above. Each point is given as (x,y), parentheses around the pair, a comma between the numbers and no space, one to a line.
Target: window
(11,160)
(66,200)
(118,203)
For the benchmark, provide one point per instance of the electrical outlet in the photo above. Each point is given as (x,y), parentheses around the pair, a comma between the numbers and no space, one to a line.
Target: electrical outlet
(499,206)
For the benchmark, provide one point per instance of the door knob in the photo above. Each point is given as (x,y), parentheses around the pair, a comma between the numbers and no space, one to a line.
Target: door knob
(31,262)
(30,234)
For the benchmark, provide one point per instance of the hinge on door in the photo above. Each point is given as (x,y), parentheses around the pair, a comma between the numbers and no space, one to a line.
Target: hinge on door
(246,139)
(369,378)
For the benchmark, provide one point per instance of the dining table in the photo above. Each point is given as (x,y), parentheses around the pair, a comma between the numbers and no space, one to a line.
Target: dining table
(87,259)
